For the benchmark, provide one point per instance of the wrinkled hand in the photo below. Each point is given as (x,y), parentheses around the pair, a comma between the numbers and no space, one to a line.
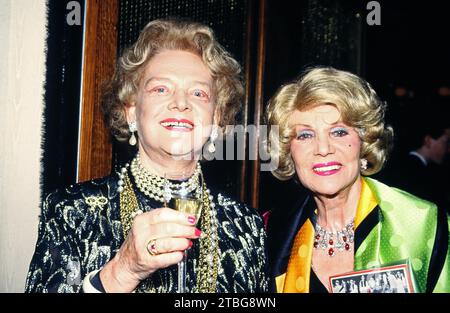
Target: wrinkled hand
(171,232)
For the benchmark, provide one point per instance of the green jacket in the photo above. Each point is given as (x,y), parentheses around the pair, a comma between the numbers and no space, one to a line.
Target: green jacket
(401,227)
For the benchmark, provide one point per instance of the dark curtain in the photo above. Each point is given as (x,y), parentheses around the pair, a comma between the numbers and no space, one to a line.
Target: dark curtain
(62,97)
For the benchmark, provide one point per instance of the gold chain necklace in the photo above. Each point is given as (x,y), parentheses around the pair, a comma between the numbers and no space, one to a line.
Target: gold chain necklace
(209,258)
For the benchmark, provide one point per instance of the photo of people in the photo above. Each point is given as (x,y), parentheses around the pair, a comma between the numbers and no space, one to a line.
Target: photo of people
(393,279)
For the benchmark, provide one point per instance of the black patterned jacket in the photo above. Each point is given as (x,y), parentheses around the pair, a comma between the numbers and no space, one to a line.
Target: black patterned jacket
(80,230)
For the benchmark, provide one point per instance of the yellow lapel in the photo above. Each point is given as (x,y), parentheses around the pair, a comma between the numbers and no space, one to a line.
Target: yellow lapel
(299,266)
(367,202)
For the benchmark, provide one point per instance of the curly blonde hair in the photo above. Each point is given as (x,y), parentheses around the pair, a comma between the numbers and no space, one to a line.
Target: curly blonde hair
(355,99)
(172,34)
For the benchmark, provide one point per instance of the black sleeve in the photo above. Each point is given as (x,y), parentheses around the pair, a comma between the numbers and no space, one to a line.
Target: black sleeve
(56,263)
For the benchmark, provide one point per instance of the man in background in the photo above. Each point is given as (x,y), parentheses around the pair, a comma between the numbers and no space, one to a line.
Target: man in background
(420,170)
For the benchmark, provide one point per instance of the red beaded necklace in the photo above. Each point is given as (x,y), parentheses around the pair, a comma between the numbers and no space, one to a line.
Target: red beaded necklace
(334,241)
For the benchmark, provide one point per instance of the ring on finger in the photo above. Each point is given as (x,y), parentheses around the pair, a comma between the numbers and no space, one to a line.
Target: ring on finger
(151,247)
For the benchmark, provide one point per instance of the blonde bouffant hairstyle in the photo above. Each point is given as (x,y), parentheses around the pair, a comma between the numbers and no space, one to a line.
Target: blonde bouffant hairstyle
(172,34)
(356,101)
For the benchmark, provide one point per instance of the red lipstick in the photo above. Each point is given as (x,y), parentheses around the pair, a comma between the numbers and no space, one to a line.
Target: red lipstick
(174,124)
(327,169)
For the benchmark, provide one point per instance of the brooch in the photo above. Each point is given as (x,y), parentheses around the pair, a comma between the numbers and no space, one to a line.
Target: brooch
(96,202)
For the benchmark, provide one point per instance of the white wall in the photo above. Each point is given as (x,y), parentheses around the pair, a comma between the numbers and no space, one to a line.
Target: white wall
(22,70)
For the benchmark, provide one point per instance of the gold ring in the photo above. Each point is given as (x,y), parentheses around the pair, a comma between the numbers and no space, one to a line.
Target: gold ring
(151,247)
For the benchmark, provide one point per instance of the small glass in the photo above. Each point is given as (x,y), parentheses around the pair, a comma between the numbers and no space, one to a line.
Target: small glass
(191,204)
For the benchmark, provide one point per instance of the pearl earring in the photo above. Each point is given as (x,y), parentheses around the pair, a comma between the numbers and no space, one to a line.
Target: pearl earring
(213,137)
(133,129)
(363,164)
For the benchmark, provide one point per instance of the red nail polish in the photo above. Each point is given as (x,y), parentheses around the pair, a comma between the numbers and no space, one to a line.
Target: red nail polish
(191,219)
(190,244)
(198,232)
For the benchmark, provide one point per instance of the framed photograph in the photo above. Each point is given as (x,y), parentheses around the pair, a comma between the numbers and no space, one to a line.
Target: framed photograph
(389,279)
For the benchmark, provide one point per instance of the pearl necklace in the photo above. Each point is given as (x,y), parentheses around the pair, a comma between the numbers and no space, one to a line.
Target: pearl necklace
(339,240)
(156,187)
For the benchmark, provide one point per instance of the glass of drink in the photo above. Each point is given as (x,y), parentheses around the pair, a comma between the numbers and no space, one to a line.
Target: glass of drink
(189,202)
